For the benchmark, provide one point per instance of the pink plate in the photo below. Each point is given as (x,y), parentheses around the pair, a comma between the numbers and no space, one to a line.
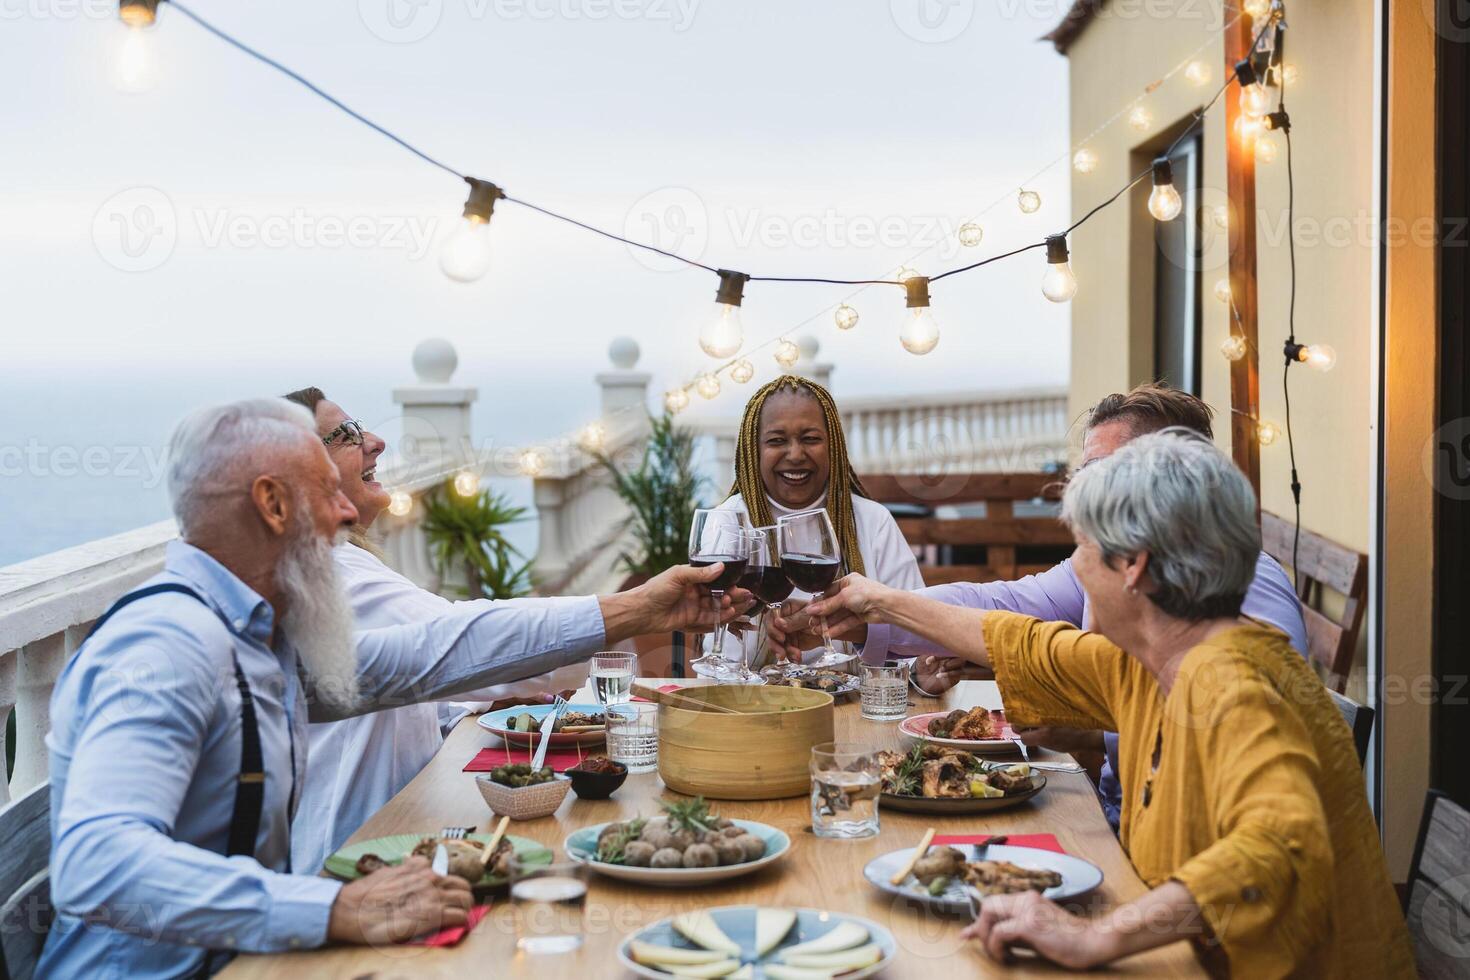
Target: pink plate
(917,726)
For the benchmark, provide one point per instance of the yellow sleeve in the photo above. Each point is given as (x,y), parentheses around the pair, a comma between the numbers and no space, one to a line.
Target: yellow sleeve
(1265,886)
(1055,673)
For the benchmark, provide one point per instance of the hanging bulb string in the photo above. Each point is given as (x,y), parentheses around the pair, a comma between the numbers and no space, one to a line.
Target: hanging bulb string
(1296,483)
(607,234)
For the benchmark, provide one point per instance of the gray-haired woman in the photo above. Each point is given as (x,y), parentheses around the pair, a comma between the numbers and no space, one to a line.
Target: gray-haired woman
(1232,753)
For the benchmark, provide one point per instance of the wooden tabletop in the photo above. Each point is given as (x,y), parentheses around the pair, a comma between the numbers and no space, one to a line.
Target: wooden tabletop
(816,872)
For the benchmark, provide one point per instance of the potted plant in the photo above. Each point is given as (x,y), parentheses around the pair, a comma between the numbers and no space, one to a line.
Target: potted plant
(464,533)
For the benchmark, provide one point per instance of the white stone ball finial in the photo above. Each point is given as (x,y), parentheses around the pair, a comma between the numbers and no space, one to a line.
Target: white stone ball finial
(434,361)
(809,348)
(623,352)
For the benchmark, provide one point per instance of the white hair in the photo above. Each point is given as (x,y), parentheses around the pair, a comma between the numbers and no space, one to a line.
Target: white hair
(1176,496)
(221,449)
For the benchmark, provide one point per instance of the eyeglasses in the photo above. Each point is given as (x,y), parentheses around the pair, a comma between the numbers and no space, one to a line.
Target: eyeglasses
(350,431)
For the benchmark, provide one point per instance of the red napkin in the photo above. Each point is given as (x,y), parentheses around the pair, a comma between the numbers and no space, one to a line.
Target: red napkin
(1045,842)
(559,759)
(663,688)
(452,935)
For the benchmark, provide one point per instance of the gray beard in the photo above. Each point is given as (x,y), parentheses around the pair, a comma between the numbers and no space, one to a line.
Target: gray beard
(319,621)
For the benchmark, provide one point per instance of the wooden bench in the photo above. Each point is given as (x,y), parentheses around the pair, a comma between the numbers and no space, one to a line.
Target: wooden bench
(1333,641)
(1001,545)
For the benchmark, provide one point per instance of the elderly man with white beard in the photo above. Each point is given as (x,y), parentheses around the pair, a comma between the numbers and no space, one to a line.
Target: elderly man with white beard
(178,741)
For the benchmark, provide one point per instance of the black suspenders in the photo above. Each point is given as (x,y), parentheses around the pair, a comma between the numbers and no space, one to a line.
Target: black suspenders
(250,790)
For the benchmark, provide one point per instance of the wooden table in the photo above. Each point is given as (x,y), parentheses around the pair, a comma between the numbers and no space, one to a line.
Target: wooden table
(816,872)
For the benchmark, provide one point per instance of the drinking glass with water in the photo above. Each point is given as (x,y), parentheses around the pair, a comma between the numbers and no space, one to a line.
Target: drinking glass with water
(845,785)
(548,900)
(612,676)
(632,735)
(885,691)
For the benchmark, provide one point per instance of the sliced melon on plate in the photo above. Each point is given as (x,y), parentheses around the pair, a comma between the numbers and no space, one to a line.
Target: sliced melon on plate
(652,954)
(721,968)
(838,962)
(701,929)
(771,926)
(844,935)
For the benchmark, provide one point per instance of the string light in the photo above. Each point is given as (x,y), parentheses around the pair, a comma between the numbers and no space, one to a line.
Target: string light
(676,400)
(1248,128)
(466,483)
(1234,347)
(400,504)
(919,333)
(532,463)
(708,386)
(1289,75)
(1197,73)
(846,317)
(592,437)
(1257,8)
(742,371)
(1084,161)
(722,334)
(134,66)
(1255,101)
(1141,118)
(1266,150)
(1222,290)
(905,273)
(1164,202)
(1267,432)
(1319,357)
(970,234)
(1028,201)
(465,255)
(1059,284)
(787,354)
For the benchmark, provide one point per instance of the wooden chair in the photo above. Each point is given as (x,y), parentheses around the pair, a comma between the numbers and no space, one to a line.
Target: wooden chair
(1324,565)
(1359,718)
(1012,545)
(1439,889)
(25,889)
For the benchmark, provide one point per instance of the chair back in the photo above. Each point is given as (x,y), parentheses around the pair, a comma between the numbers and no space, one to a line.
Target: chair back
(1325,566)
(1439,889)
(25,888)
(995,534)
(1359,718)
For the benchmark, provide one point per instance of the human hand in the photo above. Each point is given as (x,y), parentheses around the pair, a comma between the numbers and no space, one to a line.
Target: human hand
(676,599)
(1028,921)
(1069,740)
(802,631)
(396,903)
(850,604)
(935,675)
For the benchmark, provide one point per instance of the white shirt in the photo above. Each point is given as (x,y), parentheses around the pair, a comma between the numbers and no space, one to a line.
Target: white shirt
(887,557)
(359,764)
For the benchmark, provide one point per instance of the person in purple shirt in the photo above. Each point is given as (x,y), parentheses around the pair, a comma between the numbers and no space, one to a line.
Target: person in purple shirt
(1056,596)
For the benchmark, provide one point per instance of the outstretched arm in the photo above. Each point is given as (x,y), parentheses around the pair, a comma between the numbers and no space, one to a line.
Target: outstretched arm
(859,601)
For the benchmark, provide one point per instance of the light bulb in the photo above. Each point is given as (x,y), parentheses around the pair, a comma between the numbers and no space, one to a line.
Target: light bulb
(1197,73)
(1140,118)
(742,371)
(1222,290)
(465,255)
(1320,357)
(1289,74)
(846,317)
(1255,101)
(905,273)
(134,66)
(918,333)
(1257,8)
(787,354)
(722,334)
(592,437)
(1028,201)
(970,234)
(1084,161)
(708,386)
(1267,433)
(1233,348)
(532,463)
(1164,202)
(1248,128)
(1059,284)
(400,504)
(1266,150)
(466,483)
(676,401)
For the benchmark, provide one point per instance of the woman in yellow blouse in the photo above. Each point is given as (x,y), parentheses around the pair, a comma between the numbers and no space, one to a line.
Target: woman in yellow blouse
(1244,807)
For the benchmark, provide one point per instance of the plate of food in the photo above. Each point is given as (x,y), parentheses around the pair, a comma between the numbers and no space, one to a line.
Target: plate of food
(840,685)
(353,861)
(946,877)
(685,845)
(976,730)
(746,942)
(930,778)
(578,725)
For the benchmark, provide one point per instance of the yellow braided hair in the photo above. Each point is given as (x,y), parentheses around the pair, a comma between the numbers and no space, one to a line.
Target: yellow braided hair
(841,485)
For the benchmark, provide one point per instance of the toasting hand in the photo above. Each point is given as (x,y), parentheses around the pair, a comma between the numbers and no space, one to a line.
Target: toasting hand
(678,599)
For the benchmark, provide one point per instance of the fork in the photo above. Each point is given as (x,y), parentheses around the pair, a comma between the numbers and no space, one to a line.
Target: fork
(455,833)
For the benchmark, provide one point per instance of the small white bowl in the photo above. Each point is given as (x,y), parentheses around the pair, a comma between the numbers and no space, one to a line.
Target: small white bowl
(524,802)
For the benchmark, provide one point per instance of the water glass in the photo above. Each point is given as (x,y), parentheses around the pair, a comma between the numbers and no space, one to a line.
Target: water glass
(632,735)
(548,900)
(885,691)
(845,785)
(612,676)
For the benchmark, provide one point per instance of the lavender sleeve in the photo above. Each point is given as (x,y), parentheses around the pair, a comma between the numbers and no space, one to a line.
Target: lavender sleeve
(1053,595)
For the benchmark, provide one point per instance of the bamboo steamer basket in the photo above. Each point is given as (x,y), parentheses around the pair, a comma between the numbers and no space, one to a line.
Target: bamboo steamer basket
(761,753)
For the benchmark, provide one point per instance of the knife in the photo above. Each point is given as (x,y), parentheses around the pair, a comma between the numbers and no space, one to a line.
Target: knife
(542,744)
(440,864)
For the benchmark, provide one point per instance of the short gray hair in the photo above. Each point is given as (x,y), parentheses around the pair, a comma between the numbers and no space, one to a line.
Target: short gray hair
(1175,495)
(221,449)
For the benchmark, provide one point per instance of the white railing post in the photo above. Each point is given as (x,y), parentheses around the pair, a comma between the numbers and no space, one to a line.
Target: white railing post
(40,664)
(7,704)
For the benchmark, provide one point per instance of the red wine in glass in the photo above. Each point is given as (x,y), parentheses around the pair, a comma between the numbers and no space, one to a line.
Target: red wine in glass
(734,568)
(810,573)
(769,584)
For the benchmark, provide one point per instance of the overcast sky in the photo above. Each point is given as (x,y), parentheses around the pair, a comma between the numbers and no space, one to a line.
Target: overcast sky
(227,234)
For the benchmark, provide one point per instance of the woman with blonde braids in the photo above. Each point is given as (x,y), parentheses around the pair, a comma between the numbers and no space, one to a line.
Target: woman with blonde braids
(791,456)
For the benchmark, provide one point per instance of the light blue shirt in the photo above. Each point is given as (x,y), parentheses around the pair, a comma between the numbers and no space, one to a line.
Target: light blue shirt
(145,755)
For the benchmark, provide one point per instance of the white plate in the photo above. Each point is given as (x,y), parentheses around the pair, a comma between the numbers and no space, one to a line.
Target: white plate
(917,727)
(1078,876)
(581,846)
(496,722)
(738,922)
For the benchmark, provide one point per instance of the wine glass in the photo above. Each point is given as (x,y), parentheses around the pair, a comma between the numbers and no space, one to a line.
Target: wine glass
(811,558)
(764,579)
(718,536)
